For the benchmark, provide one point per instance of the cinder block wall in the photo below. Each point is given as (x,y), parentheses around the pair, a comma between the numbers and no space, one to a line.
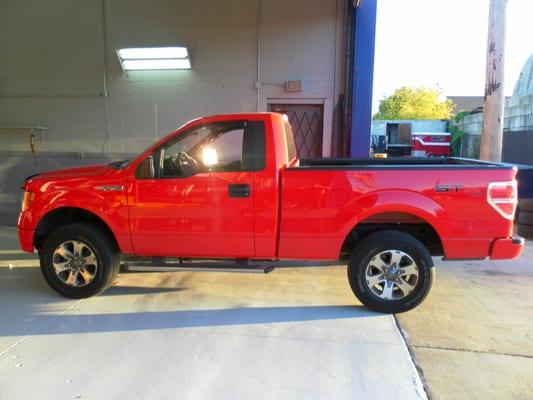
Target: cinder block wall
(15,166)
(59,70)
(53,65)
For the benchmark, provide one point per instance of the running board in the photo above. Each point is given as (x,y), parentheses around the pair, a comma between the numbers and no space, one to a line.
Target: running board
(164,264)
(198,267)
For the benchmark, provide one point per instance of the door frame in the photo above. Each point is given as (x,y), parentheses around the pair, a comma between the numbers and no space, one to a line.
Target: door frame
(326,117)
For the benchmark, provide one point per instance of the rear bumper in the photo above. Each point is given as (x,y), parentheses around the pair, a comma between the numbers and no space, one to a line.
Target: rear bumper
(503,249)
(26,239)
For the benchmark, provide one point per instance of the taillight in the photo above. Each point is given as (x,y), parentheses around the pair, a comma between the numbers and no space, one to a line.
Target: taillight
(502,196)
(27,199)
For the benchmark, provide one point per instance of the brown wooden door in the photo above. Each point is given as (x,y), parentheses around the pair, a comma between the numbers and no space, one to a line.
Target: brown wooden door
(307,122)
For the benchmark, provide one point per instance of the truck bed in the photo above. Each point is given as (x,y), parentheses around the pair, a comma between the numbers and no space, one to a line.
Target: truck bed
(323,199)
(400,163)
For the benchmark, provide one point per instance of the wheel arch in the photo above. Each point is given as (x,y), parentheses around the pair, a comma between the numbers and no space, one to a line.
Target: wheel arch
(64,215)
(416,221)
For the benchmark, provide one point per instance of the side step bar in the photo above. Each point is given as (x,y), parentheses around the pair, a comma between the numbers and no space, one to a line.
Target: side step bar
(162,264)
(205,267)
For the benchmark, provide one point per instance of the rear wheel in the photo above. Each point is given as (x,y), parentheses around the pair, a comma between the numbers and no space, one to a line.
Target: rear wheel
(391,272)
(79,260)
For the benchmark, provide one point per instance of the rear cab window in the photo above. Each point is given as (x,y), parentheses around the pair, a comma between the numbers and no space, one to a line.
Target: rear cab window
(289,141)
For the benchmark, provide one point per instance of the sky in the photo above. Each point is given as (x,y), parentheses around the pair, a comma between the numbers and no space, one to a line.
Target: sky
(443,43)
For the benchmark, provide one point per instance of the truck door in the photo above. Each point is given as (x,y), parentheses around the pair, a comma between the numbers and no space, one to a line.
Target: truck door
(201,202)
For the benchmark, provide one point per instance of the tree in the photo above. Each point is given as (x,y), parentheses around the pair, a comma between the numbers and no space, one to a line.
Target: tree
(414,103)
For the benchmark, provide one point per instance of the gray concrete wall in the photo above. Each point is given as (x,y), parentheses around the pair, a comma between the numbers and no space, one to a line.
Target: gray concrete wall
(519,114)
(15,166)
(53,64)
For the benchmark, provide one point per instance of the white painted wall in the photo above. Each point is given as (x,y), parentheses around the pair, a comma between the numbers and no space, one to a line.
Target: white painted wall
(52,68)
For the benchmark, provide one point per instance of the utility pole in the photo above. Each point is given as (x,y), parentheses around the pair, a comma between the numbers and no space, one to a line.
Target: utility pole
(492,135)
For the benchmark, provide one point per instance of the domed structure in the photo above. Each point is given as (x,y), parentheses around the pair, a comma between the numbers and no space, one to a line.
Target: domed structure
(524,84)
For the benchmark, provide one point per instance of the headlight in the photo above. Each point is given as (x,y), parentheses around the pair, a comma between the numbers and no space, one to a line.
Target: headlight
(27,199)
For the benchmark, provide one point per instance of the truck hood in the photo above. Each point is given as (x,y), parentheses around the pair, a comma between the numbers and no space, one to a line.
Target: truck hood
(78,172)
(69,177)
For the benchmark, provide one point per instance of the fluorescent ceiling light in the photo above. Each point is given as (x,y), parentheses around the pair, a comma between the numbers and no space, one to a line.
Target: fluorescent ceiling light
(153,52)
(156,64)
(150,58)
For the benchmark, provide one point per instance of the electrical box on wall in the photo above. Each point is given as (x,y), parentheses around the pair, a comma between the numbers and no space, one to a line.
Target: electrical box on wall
(294,86)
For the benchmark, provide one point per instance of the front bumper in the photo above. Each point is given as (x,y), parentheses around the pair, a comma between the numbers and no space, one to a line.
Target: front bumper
(26,239)
(503,249)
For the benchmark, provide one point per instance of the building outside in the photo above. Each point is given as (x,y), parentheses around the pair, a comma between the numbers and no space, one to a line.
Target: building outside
(466,103)
(518,123)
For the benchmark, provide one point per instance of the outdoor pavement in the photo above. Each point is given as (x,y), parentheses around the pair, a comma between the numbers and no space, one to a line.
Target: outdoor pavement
(473,336)
(291,334)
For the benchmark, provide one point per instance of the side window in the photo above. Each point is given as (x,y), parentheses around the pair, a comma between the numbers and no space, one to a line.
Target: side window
(177,156)
(226,146)
(225,152)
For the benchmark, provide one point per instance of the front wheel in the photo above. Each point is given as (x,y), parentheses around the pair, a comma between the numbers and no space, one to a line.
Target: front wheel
(79,260)
(391,272)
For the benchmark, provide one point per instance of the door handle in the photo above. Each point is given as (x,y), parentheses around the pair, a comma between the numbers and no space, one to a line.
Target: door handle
(239,190)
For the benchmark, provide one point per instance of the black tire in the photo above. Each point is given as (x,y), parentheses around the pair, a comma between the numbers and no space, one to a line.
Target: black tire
(525,218)
(525,231)
(382,241)
(99,242)
(525,205)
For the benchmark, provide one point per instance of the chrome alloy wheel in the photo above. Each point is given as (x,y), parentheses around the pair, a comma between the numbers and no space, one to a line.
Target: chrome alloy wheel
(75,263)
(391,274)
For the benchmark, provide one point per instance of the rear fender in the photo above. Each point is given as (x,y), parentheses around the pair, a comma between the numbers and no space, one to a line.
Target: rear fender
(397,201)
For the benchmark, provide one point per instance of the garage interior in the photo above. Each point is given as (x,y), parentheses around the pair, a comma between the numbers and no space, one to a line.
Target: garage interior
(65,99)
(62,71)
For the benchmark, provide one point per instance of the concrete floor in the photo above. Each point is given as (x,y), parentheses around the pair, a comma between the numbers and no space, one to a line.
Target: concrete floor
(473,336)
(291,334)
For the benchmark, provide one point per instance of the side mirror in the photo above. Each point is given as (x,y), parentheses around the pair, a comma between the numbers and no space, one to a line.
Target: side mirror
(146,169)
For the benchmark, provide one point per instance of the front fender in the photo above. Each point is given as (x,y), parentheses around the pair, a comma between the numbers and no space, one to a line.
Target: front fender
(110,207)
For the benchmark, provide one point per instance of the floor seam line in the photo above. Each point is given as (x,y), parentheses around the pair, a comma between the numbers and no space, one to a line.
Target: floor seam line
(418,370)
(472,351)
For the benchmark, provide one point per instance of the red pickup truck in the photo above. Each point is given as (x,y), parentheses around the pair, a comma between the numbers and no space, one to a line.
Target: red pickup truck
(230,190)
